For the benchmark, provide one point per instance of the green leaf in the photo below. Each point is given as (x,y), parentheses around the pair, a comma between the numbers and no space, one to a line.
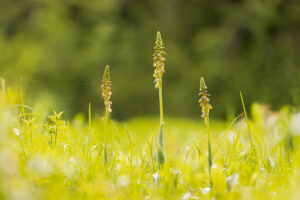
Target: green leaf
(160,150)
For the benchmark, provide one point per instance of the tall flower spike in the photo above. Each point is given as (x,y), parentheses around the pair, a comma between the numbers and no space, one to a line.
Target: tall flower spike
(204,100)
(106,89)
(158,60)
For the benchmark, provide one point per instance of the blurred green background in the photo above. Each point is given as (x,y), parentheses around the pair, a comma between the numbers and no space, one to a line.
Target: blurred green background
(60,49)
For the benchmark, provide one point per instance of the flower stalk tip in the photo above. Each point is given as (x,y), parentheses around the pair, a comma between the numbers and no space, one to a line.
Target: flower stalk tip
(204,100)
(158,60)
(106,89)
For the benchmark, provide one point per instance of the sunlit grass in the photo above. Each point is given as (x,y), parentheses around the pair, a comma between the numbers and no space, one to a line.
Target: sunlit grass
(31,167)
(46,156)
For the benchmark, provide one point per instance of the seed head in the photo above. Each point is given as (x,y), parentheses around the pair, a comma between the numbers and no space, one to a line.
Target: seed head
(204,100)
(106,89)
(158,60)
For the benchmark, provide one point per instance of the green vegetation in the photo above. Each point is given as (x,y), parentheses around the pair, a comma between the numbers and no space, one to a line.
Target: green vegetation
(106,95)
(159,69)
(33,165)
(45,156)
(60,49)
(206,107)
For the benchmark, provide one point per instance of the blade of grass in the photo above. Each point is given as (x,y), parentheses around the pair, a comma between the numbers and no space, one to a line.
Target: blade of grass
(248,126)
(129,138)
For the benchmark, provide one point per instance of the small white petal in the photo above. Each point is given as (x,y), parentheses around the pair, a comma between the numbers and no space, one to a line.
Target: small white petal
(189,195)
(16,131)
(232,180)
(205,190)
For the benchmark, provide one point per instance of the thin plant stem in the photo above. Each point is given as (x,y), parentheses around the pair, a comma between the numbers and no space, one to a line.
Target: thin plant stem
(22,102)
(161,153)
(248,126)
(161,133)
(51,140)
(127,132)
(161,105)
(105,124)
(209,158)
(90,116)
(56,131)
(90,129)
(105,129)
(151,152)
(31,136)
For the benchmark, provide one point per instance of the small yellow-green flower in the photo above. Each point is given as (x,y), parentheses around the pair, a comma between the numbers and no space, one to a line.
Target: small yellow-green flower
(106,89)
(158,60)
(204,100)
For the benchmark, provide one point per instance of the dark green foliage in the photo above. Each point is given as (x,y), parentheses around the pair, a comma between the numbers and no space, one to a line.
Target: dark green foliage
(236,44)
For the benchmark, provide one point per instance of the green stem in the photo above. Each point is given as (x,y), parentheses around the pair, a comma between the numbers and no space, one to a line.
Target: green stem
(161,105)
(105,124)
(31,136)
(209,158)
(56,131)
(161,153)
(22,102)
(51,140)
(90,129)
(253,150)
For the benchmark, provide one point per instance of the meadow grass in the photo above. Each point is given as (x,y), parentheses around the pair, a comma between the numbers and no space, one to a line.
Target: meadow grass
(45,156)
(33,167)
